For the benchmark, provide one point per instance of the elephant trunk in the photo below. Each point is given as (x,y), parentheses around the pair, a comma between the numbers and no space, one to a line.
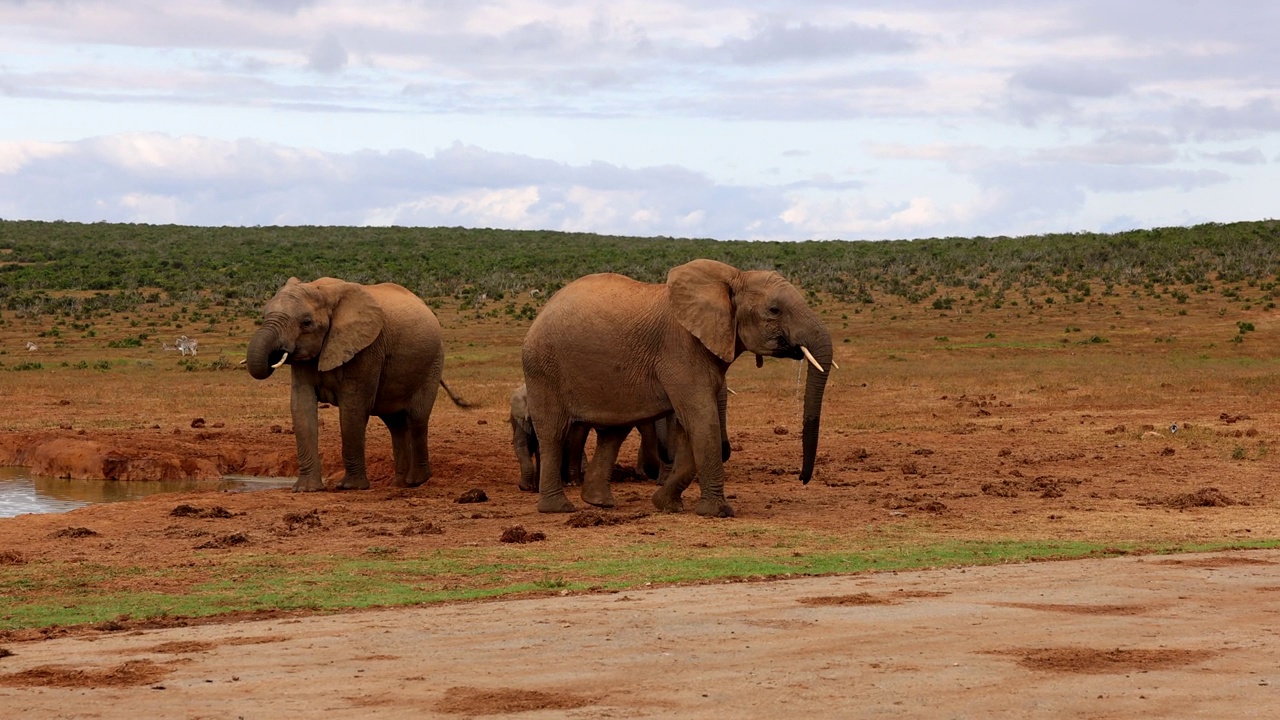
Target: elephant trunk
(814,387)
(265,349)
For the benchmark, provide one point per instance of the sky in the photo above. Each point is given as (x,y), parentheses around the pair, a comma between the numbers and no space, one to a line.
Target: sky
(742,120)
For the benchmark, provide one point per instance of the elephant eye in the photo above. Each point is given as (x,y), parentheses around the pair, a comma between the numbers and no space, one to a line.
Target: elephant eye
(308,323)
(774,310)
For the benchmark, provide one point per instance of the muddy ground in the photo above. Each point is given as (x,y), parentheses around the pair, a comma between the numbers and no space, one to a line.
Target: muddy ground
(925,440)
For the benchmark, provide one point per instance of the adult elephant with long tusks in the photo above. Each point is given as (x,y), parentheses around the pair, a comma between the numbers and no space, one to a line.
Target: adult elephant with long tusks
(610,351)
(369,350)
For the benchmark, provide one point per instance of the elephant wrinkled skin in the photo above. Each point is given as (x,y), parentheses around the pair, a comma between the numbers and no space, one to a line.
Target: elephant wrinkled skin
(610,351)
(369,350)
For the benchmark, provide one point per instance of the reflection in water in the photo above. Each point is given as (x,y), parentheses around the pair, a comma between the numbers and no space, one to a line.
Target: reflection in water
(20,492)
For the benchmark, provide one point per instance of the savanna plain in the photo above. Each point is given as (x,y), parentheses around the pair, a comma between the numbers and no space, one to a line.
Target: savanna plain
(1124,432)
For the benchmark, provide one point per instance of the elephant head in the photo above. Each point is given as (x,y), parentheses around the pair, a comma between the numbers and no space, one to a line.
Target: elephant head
(327,321)
(733,311)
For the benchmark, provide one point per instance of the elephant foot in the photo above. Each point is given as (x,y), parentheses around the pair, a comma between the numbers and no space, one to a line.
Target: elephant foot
(411,480)
(665,503)
(308,485)
(350,483)
(557,503)
(711,507)
(599,499)
(528,486)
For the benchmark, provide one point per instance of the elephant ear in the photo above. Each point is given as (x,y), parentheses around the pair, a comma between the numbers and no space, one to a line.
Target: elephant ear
(520,409)
(355,321)
(703,304)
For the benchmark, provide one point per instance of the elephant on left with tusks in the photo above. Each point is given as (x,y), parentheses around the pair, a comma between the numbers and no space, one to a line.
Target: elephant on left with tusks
(369,350)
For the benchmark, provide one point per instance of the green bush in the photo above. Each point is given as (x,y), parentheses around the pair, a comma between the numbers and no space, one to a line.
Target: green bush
(240,267)
(127,342)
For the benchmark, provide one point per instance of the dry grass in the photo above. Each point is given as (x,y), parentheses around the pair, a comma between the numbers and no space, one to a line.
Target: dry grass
(1155,362)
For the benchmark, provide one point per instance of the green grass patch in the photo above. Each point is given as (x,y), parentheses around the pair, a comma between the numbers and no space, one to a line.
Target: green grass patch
(70,593)
(1006,345)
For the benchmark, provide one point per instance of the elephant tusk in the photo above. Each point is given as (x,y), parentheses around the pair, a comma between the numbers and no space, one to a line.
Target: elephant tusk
(242,362)
(834,365)
(286,357)
(809,356)
(731,390)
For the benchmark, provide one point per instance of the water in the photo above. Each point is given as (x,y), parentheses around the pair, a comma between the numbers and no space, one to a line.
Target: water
(21,492)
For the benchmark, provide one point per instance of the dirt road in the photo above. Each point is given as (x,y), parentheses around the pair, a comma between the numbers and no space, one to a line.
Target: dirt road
(1184,636)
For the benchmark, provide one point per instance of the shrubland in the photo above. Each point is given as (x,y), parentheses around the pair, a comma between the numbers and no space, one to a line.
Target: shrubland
(117,267)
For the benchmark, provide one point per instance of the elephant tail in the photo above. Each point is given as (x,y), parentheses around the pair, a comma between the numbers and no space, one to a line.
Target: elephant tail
(456,400)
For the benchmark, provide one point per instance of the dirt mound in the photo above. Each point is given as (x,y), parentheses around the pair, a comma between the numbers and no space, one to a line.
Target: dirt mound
(224,541)
(474,495)
(1121,610)
(126,674)
(74,532)
(1093,661)
(179,647)
(184,510)
(478,701)
(848,600)
(1204,497)
(518,534)
(868,598)
(596,518)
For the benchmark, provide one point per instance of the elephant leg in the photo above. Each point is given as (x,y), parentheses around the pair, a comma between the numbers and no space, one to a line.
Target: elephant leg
(398,426)
(551,440)
(353,422)
(662,433)
(595,489)
(664,472)
(647,458)
(526,447)
(722,406)
(703,434)
(537,468)
(417,417)
(575,454)
(303,406)
(678,475)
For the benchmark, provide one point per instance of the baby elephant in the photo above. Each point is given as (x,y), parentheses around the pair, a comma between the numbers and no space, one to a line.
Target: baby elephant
(651,457)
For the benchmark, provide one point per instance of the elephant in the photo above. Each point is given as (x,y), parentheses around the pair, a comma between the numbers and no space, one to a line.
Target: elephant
(656,454)
(525,442)
(369,350)
(610,351)
(650,458)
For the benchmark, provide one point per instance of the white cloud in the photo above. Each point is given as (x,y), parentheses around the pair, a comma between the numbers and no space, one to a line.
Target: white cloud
(155,178)
(730,119)
(509,208)
(16,155)
(835,218)
(157,209)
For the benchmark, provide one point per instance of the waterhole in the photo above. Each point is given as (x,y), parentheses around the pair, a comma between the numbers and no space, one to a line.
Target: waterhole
(21,492)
